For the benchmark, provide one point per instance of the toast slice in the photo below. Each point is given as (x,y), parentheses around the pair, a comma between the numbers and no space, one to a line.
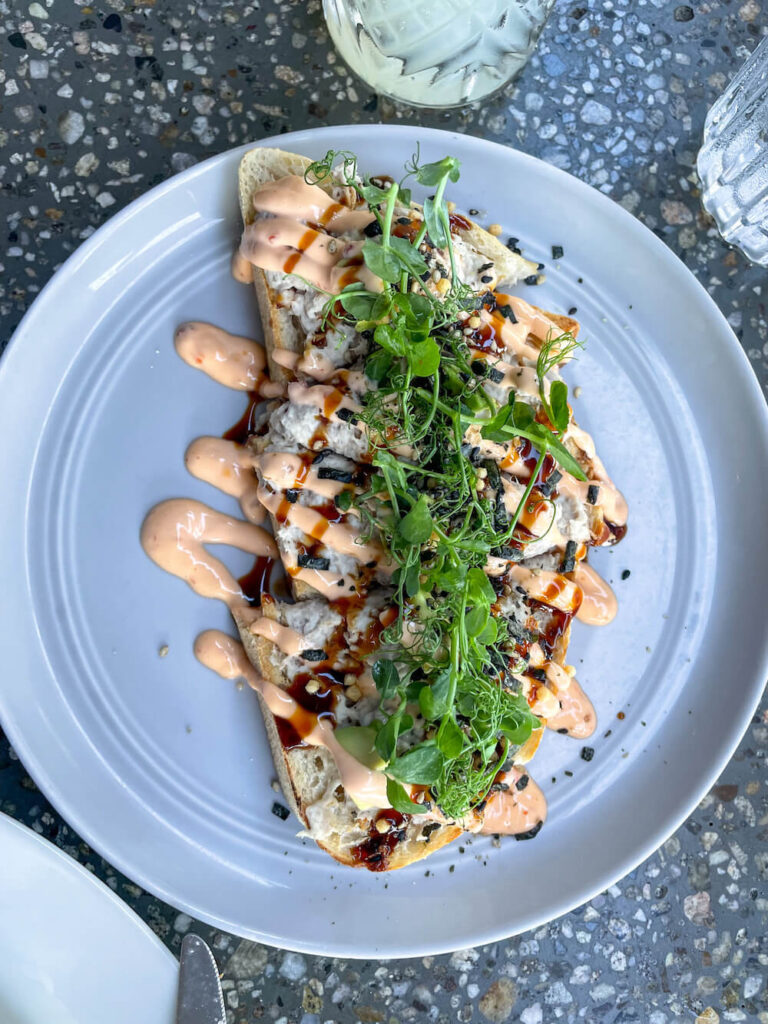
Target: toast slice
(309,776)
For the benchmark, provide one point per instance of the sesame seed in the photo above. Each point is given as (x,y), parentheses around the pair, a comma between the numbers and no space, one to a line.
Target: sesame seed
(494,229)
(474,321)
(162,651)
(382,825)
(312,686)
(436,275)
(450,206)
(467,331)
(353,693)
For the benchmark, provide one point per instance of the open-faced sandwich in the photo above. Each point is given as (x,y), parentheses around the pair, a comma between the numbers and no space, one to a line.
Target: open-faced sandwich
(432,504)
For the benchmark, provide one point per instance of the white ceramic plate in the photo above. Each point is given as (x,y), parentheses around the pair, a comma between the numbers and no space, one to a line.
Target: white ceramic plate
(71,952)
(164,768)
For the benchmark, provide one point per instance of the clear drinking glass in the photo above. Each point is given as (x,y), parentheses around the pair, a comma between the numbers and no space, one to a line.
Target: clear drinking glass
(436,53)
(733,161)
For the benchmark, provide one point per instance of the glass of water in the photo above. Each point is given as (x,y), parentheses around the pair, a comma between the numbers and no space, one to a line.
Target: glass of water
(733,161)
(436,53)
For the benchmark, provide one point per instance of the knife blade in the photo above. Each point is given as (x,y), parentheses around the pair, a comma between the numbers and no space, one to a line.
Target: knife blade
(200,1000)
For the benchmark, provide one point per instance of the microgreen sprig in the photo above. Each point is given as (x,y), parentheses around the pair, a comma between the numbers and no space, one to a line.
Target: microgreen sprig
(449,652)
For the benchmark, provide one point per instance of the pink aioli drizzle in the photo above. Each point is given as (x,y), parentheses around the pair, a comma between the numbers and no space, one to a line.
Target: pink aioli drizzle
(513,811)
(551,588)
(290,641)
(285,358)
(342,537)
(227,466)
(175,533)
(240,268)
(522,378)
(599,604)
(323,397)
(229,359)
(227,658)
(173,536)
(577,714)
(286,471)
(299,230)
(616,509)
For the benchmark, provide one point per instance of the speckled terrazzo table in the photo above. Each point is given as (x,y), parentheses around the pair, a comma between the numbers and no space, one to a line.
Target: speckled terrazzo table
(101,103)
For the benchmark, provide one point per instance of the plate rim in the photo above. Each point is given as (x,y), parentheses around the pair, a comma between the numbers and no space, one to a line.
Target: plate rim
(748,387)
(21,834)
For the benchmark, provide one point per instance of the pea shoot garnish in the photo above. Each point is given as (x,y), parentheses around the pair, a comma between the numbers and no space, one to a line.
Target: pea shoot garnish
(438,510)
